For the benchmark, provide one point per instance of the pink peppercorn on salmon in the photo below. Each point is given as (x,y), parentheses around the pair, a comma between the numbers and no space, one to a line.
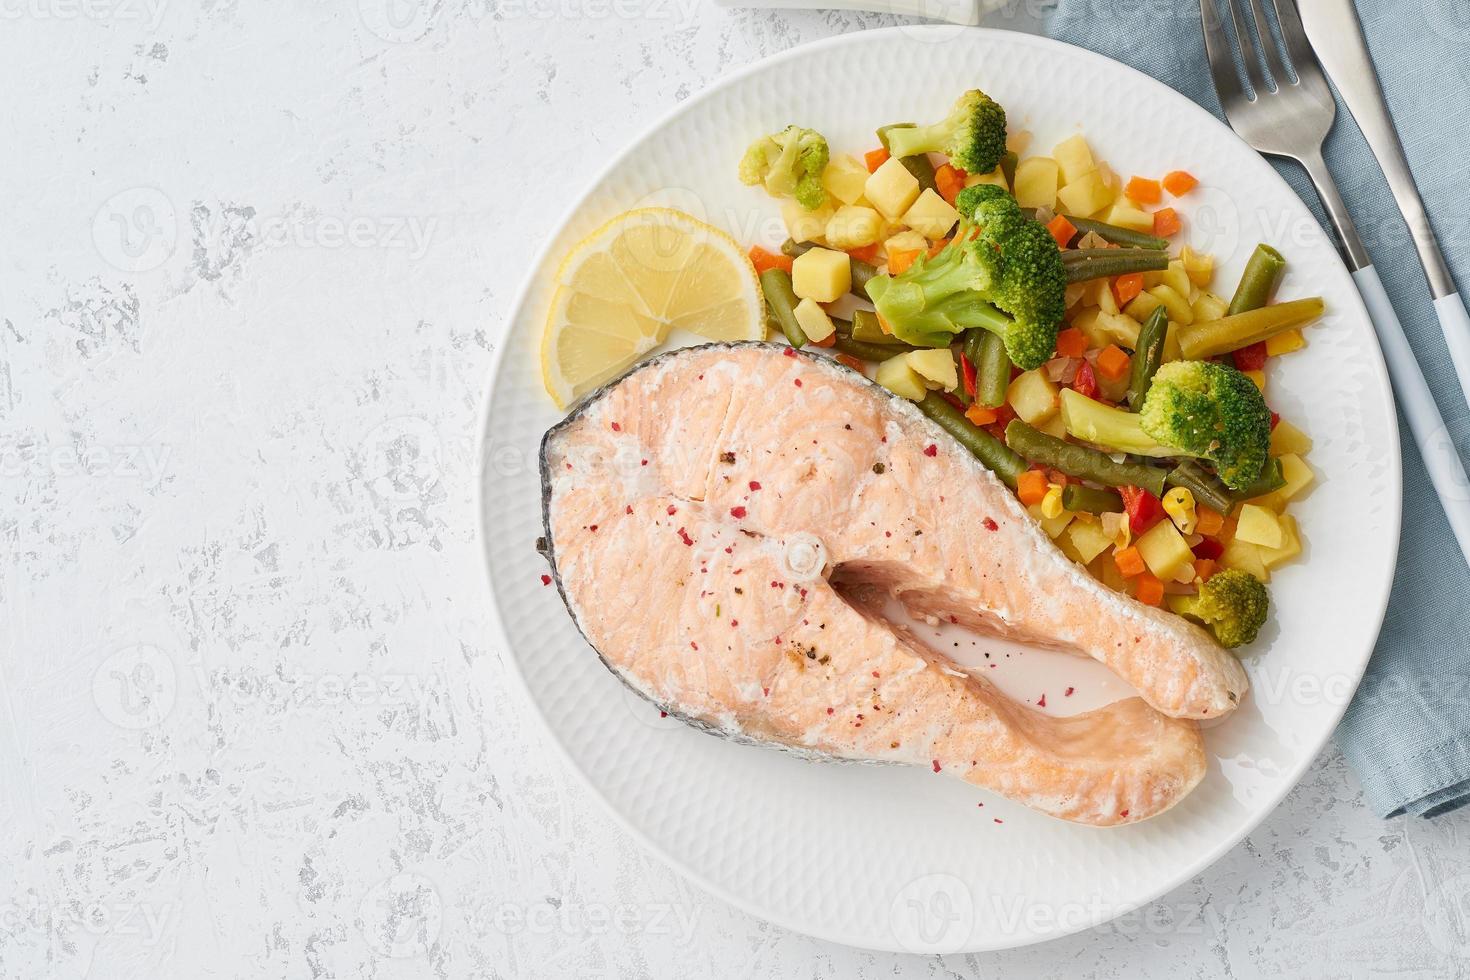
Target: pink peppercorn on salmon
(726,524)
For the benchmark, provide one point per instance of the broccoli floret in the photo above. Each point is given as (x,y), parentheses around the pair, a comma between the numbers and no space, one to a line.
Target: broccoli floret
(1213,412)
(1232,603)
(973,135)
(1002,273)
(789,164)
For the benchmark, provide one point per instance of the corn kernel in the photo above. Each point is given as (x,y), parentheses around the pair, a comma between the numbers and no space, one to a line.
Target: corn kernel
(1179,505)
(1051,504)
(1117,529)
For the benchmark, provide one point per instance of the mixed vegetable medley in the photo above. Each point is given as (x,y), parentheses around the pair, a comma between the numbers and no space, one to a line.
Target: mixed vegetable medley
(1034,307)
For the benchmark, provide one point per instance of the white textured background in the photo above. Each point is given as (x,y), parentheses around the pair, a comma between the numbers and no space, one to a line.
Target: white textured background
(251,259)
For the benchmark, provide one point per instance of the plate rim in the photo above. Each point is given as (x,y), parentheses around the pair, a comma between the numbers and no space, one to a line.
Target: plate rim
(516,309)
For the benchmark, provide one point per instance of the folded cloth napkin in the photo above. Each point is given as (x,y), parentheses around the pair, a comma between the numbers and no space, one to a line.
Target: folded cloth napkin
(1407,733)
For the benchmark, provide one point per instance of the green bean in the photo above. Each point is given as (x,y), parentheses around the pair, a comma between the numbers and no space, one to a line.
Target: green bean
(1271,479)
(865,328)
(1148,354)
(781,302)
(1263,271)
(865,351)
(1081,462)
(794,248)
(1204,485)
(993,453)
(1207,338)
(1076,497)
(1117,236)
(1082,264)
(1008,167)
(992,367)
(861,271)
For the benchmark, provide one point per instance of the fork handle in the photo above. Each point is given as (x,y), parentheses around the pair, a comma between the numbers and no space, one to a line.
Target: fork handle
(1426,425)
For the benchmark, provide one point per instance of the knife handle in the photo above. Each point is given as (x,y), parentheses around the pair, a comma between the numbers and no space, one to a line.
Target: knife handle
(1426,425)
(1456,326)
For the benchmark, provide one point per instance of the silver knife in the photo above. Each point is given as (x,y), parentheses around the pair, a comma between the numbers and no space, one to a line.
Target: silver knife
(1337,36)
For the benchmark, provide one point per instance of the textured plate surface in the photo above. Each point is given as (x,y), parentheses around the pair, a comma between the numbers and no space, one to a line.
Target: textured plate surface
(901,859)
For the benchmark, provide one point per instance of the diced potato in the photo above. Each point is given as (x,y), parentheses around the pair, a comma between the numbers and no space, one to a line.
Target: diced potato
(1298,476)
(1074,158)
(1086,194)
(1119,328)
(1053,526)
(1258,378)
(1102,296)
(853,226)
(1199,266)
(1036,182)
(1246,557)
(1142,306)
(1257,525)
(1072,295)
(1285,342)
(1176,304)
(996,177)
(1171,343)
(803,225)
(1087,539)
(1054,426)
(1177,279)
(1207,306)
(1287,439)
(813,320)
(821,274)
(897,376)
(1164,550)
(1124,216)
(931,215)
(1033,396)
(1291,544)
(905,241)
(1086,321)
(891,189)
(1152,278)
(936,367)
(845,178)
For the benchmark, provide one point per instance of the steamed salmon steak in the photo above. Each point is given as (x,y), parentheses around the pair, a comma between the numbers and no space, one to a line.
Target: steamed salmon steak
(726,524)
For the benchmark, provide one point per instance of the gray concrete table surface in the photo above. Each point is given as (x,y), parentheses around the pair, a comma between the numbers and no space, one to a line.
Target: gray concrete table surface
(252,257)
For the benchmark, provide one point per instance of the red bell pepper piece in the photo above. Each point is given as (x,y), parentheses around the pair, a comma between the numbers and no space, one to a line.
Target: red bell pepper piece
(1251,358)
(968,370)
(1208,549)
(1143,508)
(1086,381)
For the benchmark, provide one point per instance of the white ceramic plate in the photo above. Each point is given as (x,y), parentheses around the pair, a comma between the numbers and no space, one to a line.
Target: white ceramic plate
(901,859)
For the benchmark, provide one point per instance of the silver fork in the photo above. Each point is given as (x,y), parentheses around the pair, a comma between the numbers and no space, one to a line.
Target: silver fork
(1289,115)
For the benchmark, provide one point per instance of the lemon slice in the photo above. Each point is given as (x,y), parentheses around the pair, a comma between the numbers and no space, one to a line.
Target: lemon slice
(621,290)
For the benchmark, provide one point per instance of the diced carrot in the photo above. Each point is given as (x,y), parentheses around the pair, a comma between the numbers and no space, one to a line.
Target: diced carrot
(981,415)
(899,262)
(1204,568)
(1178,182)
(1031,487)
(875,158)
(1127,287)
(850,361)
(884,325)
(1150,590)
(763,260)
(1129,561)
(1061,229)
(1208,521)
(1144,191)
(1166,222)
(871,254)
(937,247)
(949,180)
(1071,342)
(1113,363)
(827,341)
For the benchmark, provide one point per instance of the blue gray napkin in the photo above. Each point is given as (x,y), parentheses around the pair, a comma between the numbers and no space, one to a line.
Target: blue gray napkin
(1407,733)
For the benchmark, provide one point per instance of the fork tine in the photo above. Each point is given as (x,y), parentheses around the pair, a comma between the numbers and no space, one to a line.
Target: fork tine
(1295,36)
(1279,73)
(1222,58)
(1250,60)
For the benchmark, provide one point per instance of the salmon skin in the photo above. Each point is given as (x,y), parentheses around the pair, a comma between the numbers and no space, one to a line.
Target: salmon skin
(726,522)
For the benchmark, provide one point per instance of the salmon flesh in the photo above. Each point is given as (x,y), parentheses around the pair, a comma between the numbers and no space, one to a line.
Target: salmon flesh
(727,523)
